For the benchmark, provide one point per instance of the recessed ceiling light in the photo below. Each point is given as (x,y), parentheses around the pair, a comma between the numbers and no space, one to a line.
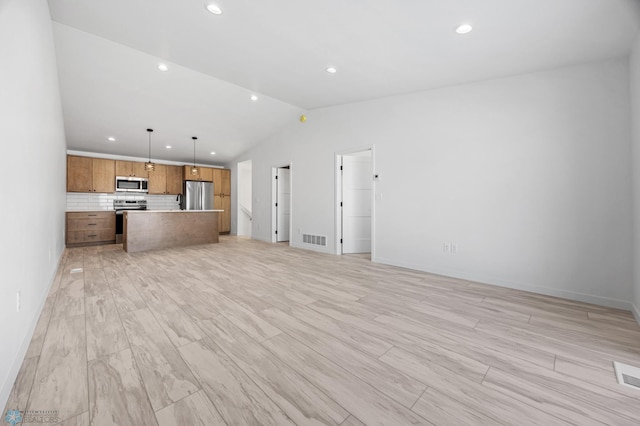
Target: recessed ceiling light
(464,28)
(111,139)
(163,67)
(331,70)
(168,146)
(254,98)
(213,8)
(213,153)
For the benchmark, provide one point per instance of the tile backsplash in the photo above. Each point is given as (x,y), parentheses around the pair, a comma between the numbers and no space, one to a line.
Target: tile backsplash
(83,201)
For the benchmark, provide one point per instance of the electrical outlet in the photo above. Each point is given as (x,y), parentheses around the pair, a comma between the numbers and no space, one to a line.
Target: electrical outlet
(446,247)
(18,301)
(454,248)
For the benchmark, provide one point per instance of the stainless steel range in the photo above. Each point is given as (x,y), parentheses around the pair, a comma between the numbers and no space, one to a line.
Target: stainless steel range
(120,206)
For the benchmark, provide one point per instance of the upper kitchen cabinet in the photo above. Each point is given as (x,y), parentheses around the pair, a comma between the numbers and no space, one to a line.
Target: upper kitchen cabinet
(131,168)
(221,181)
(86,174)
(174,180)
(165,180)
(79,174)
(104,175)
(158,180)
(205,174)
(225,181)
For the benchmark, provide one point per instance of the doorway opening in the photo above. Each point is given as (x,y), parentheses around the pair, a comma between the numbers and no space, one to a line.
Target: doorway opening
(355,198)
(281,205)
(245,215)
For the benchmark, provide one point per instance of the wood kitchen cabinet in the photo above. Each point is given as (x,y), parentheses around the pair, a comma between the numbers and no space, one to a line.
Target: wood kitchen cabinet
(90,228)
(222,198)
(85,174)
(130,169)
(205,174)
(165,180)
(223,202)
(174,180)
(158,180)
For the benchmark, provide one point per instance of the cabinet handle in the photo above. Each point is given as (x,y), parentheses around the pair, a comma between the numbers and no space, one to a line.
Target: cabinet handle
(91,236)
(92,224)
(92,215)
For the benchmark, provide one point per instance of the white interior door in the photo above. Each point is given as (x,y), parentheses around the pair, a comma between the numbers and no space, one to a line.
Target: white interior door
(283,204)
(357,183)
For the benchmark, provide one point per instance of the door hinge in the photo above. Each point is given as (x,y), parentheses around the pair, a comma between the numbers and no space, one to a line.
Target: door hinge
(276,232)
(340,240)
(340,203)
(276,204)
(276,177)
(341,168)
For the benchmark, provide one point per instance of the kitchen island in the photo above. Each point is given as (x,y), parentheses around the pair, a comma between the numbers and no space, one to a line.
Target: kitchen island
(157,229)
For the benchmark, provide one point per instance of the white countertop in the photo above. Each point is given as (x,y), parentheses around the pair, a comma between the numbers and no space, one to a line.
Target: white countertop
(172,211)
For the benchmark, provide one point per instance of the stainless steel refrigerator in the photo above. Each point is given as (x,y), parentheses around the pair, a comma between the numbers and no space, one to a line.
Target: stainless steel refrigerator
(197,195)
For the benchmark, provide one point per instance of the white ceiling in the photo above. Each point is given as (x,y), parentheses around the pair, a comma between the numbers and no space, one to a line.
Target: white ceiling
(279,49)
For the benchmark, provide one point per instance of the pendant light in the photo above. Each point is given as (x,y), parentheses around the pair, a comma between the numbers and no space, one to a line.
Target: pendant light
(194,169)
(149,166)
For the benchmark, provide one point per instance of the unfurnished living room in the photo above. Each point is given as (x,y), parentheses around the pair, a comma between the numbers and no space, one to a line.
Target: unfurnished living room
(303,213)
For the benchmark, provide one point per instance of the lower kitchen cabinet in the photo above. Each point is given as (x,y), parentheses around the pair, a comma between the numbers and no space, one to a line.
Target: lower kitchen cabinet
(223,202)
(90,228)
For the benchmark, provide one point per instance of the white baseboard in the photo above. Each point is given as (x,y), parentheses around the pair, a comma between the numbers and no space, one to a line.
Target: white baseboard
(26,341)
(565,294)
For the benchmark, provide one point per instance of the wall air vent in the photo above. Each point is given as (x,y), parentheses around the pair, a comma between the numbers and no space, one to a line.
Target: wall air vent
(316,240)
(627,375)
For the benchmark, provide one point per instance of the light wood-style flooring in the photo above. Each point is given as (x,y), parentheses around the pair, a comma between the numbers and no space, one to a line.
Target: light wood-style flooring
(245,332)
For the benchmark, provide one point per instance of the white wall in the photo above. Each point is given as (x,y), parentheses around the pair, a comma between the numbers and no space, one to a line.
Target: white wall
(530,176)
(244,198)
(32,168)
(634,65)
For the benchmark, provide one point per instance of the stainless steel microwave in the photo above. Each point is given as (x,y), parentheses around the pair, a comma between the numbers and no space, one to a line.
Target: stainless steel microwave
(132,184)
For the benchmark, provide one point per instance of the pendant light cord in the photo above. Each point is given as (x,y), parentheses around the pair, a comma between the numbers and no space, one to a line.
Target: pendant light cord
(149,131)
(194,151)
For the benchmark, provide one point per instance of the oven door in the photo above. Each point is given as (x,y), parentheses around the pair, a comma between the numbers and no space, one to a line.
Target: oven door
(119,226)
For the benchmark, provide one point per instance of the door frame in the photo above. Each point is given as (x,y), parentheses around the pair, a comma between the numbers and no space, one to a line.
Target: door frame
(338,196)
(274,196)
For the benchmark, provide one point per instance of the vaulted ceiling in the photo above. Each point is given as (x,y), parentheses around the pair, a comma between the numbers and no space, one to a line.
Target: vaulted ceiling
(278,50)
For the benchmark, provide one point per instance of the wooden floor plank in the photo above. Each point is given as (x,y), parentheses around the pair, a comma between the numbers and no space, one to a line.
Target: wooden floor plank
(397,386)
(194,410)
(61,377)
(19,395)
(105,334)
(165,375)
(116,394)
(299,399)
(238,399)
(359,398)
